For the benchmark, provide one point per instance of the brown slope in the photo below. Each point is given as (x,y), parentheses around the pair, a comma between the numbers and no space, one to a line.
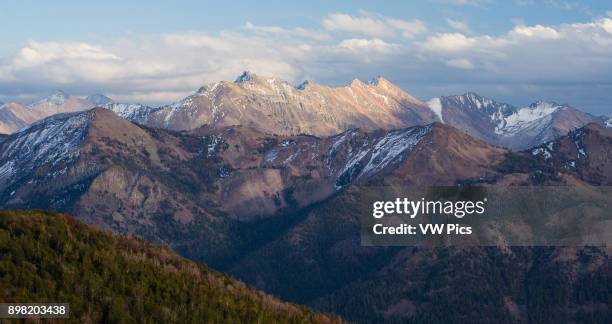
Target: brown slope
(445,156)
(320,260)
(584,153)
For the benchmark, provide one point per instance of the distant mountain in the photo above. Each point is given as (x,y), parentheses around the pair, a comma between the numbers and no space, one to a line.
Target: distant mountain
(124,278)
(98,100)
(279,211)
(505,125)
(15,116)
(58,102)
(274,106)
(12,117)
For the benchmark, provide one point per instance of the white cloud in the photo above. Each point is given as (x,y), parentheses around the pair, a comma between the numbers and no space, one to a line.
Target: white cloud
(460,64)
(168,63)
(580,52)
(367,45)
(373,25)
(163,68)
(298,31)
(460,26)
(537,31)
(448,42)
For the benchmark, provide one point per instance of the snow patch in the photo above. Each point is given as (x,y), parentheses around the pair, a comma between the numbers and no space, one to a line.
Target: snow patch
(133,112)
(526,118)
(436,106)
(393,146)
(390,149)
(541,151)
(51,141)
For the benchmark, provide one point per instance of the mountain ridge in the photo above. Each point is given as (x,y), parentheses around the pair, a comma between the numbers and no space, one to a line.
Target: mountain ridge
(275,106)
(506,125)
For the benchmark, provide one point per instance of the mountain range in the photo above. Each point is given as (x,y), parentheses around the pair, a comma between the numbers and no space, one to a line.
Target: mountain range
(273,106)
(275,210)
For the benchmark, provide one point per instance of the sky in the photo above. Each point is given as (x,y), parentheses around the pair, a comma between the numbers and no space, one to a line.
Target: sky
(154,52)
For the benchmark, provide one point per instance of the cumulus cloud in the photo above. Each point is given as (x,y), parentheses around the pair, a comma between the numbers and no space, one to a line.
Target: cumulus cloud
(579,52)
(460,64)
(460,26)
(368,45)
(295,32)
(163,68)
(374,25)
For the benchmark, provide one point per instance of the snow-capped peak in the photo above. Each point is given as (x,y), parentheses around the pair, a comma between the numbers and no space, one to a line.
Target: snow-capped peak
(476,100)
(98,99)
(57,98)
(609,123)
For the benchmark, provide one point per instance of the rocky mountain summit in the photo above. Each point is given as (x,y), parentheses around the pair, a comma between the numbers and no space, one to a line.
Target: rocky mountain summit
(505,125)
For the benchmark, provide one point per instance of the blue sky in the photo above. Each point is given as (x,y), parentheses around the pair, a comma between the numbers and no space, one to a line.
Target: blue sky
(157,52)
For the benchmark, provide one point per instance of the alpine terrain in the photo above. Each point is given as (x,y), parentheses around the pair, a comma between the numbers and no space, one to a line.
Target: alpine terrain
(278,211)
(505,125)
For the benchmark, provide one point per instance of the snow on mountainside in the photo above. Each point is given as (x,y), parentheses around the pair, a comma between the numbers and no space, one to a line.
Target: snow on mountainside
(53,141)
(57,157)
(98,99)
(533,117)
(136,113)
(57,98)
(274,106)
(505,125)
(369,159)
